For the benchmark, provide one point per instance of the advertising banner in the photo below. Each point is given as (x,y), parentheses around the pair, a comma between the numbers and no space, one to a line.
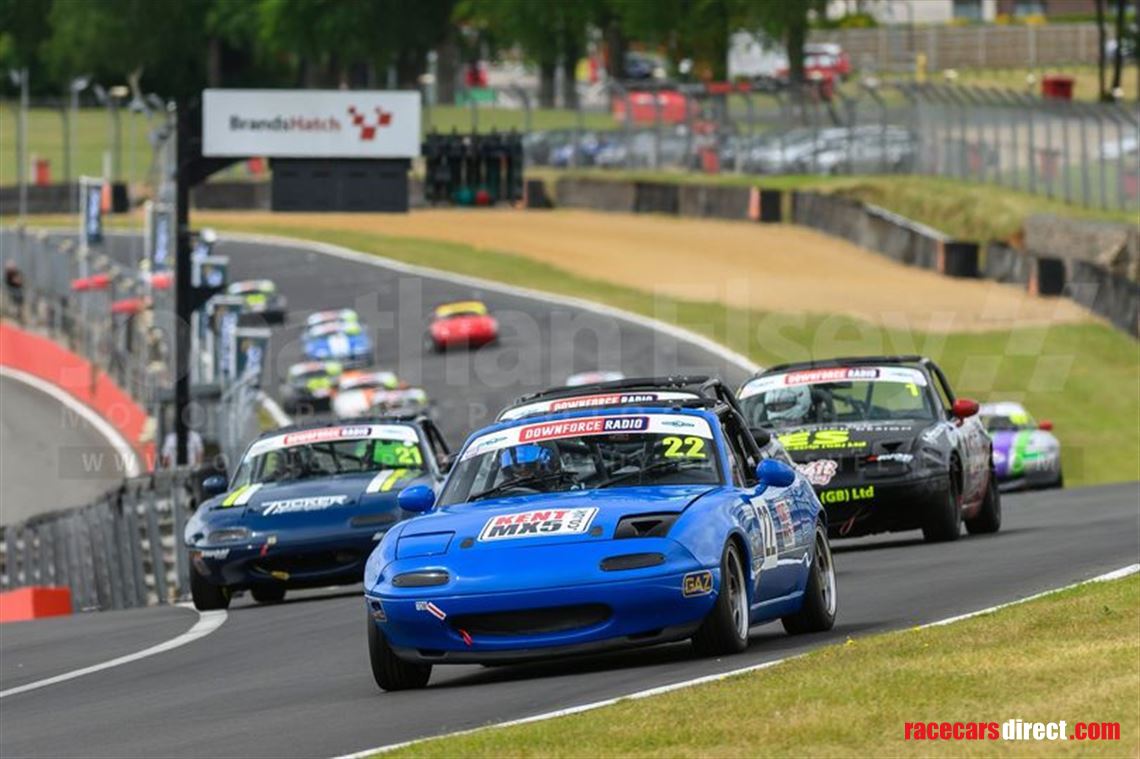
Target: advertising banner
(91,209)
(311,123)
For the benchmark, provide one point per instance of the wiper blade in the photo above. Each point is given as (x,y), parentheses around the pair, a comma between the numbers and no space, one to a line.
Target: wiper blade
(521,482)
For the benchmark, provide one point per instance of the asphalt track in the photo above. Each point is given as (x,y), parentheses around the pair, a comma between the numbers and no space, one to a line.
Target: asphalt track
(50,457)
(293,679)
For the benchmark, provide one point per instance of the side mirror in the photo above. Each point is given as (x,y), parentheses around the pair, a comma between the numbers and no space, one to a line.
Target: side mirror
(964,408)
(213,485)
(773,473)
(1045,425)
(417,499)
(761,435)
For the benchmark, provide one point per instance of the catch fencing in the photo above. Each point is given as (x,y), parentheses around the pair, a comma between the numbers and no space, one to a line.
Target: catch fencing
(1080,153)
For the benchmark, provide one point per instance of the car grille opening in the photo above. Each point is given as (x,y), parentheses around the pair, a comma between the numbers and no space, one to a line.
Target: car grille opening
(532,621)
(632,561)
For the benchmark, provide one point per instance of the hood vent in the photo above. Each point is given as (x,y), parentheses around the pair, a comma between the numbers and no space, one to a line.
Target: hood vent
(645,525)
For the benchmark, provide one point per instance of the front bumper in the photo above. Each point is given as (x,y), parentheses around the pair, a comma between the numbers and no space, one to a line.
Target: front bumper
(307,563)
(880,504)
(638,611)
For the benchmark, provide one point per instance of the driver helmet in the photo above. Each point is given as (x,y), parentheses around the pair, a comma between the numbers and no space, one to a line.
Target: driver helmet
(527,460)
(789,404)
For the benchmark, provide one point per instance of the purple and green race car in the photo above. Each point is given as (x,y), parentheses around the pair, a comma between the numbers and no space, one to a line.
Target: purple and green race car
(1026,453)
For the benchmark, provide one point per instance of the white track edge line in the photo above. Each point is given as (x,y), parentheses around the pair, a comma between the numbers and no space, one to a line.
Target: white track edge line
(637,695)
(122,446)
(207,622)
(680,333)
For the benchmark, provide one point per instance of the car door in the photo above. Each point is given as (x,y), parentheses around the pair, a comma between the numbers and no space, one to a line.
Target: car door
(973,443)
(770,517)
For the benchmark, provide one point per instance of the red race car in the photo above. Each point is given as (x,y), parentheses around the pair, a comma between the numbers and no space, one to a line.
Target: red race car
(465,323)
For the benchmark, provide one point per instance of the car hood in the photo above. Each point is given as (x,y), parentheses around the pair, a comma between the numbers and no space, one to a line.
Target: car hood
(566,517)
(325,499)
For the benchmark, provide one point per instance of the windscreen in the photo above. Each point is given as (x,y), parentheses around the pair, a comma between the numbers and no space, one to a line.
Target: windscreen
(330,451)
(1006,420)
(837,395)
(585,453)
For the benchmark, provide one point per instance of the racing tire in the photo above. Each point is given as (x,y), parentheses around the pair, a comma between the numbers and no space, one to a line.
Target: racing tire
(390,671)
(268,594)
(942,522)
(820,600)
(206,595)
(725,629)
(988,518)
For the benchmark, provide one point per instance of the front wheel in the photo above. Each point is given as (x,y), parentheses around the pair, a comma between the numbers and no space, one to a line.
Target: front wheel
(943,519)
(390,671)
(988,518)
(725,629)
(206,595)
(820,600)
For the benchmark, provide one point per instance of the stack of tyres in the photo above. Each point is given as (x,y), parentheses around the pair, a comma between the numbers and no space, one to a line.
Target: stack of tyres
(476,169)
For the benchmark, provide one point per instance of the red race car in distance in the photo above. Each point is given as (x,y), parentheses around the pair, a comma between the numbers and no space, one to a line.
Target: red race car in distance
(464,323)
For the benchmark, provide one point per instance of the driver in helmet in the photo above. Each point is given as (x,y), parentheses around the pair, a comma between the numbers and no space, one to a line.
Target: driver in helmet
(788,404)
(527,461)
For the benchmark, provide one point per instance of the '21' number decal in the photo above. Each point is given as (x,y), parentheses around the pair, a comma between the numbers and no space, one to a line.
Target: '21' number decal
(683,448)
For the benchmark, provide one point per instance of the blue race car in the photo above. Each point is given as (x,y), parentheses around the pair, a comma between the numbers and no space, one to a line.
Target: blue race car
(599,527)
(307,506)
(343,341)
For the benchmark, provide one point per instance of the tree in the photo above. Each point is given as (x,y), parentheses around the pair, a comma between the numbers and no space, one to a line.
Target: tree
(23,28)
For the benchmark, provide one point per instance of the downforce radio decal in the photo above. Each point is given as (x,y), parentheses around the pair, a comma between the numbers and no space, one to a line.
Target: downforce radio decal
(538,523)
(622,424)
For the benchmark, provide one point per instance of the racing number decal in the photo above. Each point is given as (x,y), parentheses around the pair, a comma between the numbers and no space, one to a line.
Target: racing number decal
(769,552)
(684,448)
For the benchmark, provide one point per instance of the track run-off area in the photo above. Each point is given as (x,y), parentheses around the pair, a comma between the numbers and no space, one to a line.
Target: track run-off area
(293,679)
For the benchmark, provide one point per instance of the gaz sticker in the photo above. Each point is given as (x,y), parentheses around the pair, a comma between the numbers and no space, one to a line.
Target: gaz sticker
(696,584)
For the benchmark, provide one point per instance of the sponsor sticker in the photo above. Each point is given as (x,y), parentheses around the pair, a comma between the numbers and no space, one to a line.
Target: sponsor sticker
(294,505)
(696,584)
(588,425)
(820,471)
(834,374)
(538,523)
(899,458)
(574,427)
(847,495)
(820,440)
(214,553)
(402,432)
(431,609)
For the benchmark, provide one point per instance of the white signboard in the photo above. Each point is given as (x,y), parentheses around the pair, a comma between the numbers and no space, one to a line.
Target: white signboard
(311,123)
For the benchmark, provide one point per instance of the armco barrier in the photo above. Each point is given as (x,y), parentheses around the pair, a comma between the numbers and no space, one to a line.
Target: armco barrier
(57,198)
(713,202)
(1112,296)
(232,195)
(596,194)
(120,551)
(1003,263)
(41,357)
(1113,246)
(656,197)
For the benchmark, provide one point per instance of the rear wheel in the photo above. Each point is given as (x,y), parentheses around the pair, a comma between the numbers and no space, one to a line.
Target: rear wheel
(206,595)
(268,594)
(390,671)
(988,518)
(725,629)
(820,600)
(943,519)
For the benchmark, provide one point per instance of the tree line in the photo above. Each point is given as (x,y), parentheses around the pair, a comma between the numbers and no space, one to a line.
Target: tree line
(177,47)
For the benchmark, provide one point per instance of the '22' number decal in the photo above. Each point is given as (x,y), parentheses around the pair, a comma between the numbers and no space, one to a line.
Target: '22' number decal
(684,448)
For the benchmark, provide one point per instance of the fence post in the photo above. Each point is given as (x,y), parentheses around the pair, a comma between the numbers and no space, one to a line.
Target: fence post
(154,539)
(1084,159)
(1067,112)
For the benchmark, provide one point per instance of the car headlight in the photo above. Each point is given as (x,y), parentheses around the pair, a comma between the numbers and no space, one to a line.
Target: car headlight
(229,535)
(371,574)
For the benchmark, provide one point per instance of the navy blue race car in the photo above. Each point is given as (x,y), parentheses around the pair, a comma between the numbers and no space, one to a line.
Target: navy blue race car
(306,506)
(346,342)
(599,527)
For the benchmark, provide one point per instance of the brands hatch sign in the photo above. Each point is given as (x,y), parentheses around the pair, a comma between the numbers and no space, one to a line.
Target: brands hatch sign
(311,123)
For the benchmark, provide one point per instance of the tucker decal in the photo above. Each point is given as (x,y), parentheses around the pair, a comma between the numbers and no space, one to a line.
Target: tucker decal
(294,505)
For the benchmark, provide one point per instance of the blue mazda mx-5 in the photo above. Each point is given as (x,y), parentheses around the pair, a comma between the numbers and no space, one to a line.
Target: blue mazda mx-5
(306,506)
(600,527)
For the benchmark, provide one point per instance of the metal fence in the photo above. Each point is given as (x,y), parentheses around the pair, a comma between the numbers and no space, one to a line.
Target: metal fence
(120,551)
(1081,153)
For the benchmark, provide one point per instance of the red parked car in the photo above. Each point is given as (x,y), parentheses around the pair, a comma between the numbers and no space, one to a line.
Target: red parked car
(465,323)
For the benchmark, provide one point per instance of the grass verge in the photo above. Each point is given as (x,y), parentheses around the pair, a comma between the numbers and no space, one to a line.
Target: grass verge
(1083,377)
(1072,656)
(964,210)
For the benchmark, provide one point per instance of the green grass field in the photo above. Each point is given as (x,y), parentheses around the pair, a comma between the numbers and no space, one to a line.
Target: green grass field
(1085,378)
(1072,656)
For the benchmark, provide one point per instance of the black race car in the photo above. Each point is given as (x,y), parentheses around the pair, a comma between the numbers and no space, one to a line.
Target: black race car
(884,442)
